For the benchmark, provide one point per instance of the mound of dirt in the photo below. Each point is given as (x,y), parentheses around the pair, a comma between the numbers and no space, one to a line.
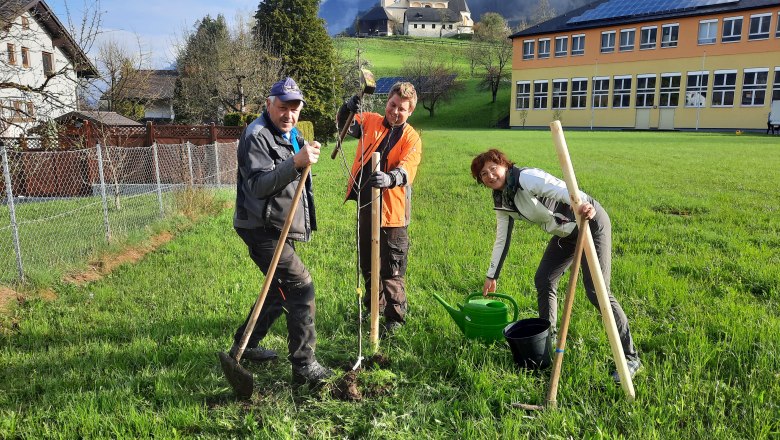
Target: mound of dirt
(346,388)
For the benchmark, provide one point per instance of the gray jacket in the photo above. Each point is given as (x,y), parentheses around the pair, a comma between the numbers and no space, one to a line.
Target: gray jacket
(266,182)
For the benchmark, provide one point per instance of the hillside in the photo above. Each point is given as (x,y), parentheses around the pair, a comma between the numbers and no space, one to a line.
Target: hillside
(470,108)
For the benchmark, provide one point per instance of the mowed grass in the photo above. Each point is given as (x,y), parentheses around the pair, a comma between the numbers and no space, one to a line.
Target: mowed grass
(695,231)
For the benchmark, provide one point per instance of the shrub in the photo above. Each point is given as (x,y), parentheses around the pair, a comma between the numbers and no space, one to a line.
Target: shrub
(233,119)
(249,117)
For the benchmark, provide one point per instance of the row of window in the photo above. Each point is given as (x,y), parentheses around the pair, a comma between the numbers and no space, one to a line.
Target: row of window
(48,58)
(433,26)
(18,111)
(760,25)
(573,93)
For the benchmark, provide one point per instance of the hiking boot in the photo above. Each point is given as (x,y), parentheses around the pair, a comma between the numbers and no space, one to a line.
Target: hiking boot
(257,354)
(314,374)
(634,365)
(389,328)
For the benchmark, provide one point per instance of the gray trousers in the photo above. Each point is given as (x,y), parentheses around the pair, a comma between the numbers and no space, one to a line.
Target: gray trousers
(291,292)
(558,257)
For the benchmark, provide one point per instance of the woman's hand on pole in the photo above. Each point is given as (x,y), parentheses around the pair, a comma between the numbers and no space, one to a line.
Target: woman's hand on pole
(489,287)
(587,210)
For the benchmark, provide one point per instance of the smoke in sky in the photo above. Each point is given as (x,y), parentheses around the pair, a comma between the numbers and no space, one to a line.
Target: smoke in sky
(340,14)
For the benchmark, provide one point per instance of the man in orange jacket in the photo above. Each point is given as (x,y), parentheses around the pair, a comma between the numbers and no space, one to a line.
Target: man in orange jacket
(400,147)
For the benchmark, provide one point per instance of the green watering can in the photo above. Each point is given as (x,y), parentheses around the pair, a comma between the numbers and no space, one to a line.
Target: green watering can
(481,318)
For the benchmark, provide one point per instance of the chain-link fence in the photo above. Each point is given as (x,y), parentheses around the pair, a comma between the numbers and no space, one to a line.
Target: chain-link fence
(61,207)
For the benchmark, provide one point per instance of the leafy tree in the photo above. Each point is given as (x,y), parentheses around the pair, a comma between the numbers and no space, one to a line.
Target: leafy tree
(491,28)
(302,42)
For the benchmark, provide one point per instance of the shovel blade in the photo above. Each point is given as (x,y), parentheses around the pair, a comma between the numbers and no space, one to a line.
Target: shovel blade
(237,376)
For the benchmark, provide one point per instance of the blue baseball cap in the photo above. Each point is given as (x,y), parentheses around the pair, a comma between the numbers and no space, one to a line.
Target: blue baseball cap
(287,90)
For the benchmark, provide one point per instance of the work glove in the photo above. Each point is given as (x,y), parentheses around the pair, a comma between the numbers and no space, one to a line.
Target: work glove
(385,180)
(353,104)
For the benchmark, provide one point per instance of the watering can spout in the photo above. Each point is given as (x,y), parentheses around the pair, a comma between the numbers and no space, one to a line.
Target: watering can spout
(457,315)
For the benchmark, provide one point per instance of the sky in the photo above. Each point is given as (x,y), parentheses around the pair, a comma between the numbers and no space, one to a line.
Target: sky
(157,24)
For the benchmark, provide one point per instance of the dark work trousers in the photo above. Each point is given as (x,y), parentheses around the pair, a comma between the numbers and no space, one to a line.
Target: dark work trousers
(393,253)
(558,257)
(291,292)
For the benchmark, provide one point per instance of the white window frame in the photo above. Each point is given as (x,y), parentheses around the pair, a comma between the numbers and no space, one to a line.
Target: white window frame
(651,42)
(673,35)
(560,94)
(626,47)
(524,96)
(643,92)
(709,26)
(608,48)
(541,102)
(579,38)
(776,85)
(700,88)
(731,37)
(669,91)
(760,34)
(562,46)
(599,92)
(720,91)
(529,54)
(777,31)
(578,94)
(544,44)
(621,91)
(755,91)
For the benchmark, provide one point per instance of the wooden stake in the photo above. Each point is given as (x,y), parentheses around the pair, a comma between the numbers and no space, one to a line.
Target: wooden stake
(593,264)
(376,221)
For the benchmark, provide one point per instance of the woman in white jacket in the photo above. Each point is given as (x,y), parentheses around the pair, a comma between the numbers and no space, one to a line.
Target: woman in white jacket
(537,197)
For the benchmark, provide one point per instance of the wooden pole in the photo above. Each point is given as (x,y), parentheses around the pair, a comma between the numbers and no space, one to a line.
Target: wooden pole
(593,264)
(376,220)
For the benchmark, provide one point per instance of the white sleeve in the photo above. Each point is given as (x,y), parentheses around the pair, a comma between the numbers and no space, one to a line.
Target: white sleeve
(543,184)
(504,224)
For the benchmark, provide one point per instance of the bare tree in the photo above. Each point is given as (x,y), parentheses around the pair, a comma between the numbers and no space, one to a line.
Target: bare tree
(435,81)
(125,73)
(495,57)
(543,12)
(36,84)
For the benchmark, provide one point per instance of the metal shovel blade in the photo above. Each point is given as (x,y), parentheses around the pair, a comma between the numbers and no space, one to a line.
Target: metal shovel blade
(239,378)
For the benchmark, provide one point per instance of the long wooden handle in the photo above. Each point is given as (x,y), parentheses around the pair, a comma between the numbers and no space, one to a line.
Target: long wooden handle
(593,264)
(342,135)
(269,275)
(555,376)
(376,223)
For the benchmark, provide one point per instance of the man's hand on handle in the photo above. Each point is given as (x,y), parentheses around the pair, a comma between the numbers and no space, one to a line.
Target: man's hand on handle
(308,154)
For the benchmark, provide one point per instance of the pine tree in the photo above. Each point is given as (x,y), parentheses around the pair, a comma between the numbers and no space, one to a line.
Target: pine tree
(299,37)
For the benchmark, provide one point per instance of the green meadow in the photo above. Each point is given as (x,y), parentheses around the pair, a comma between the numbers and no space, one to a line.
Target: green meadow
(695,231)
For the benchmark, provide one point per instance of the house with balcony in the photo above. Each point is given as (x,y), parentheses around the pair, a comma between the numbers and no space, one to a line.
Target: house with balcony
(40,67)
(442,18)
(650,64)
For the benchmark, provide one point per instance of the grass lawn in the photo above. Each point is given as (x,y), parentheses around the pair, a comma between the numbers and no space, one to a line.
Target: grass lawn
(695,231)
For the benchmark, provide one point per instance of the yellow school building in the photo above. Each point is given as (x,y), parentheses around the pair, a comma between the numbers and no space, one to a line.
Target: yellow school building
(650,64)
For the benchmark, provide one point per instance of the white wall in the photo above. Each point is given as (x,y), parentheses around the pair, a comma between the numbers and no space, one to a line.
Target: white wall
(158,110)
(62,87)
(430,29)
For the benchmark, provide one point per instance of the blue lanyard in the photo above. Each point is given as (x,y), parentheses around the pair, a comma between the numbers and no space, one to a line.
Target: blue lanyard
(293,138)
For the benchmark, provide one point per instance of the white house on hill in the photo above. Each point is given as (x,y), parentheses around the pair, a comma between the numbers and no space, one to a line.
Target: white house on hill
(40,65)
(417,18)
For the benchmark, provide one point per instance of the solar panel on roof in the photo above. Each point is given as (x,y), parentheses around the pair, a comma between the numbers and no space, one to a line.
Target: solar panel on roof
(383,85)
(630,8)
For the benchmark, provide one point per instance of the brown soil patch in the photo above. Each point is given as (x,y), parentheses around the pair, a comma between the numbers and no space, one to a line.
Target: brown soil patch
(6,296)
(346,388)
(106,264)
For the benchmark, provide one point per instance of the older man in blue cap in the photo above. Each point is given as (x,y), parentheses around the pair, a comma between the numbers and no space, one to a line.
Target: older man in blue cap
(271,157)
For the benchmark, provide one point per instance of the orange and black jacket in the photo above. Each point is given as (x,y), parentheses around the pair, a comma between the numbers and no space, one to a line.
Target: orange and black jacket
(400,148)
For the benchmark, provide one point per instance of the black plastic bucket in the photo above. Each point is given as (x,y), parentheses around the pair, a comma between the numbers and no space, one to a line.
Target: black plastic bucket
(529,340)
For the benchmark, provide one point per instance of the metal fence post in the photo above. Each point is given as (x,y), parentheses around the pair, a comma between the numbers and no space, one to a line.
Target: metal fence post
(189,159)
(157,176)
(216,162)
(106,224)
(14,226)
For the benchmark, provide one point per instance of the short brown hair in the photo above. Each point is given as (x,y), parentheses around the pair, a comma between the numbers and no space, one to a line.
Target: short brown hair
(406,91)
(492,155)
